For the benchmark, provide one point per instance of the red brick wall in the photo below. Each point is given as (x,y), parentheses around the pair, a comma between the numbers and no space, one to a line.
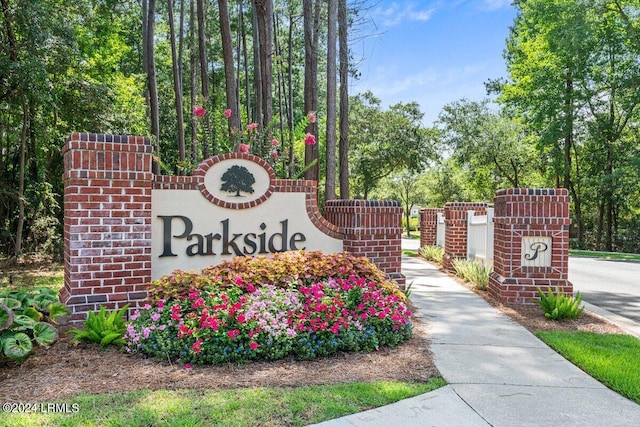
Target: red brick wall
(521,212)
(455,220)
(108,181)
(372,229)
(429,226)
(107,219)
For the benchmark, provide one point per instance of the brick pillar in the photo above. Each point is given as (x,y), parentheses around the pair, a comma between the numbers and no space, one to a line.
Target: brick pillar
(531,243)
(455,220)
(372,229)
(107,221)
(429,226)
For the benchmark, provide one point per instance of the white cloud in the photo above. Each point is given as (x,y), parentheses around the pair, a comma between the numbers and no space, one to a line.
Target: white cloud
(396,13)
(494,4)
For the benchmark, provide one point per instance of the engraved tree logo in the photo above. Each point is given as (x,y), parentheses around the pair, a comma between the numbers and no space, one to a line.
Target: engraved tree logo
(237,179)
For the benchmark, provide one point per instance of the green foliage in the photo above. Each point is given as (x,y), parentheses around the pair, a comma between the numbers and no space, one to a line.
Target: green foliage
(473,271)
(385,142)
(559,306)
(432,253)
(26,316)
(279,270)
(104,327)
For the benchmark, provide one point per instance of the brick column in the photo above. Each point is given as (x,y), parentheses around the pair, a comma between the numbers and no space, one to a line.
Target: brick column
(531,243)
(372,229)
(455,219)
(429,226)
(107,221)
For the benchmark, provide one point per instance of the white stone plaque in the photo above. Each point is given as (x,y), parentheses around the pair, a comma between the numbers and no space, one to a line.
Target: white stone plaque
(536,251)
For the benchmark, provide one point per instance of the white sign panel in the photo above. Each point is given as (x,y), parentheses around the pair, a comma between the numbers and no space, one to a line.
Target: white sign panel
(235,214)
(536,251)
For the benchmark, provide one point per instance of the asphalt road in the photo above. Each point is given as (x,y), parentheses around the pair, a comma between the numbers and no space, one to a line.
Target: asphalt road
(610,284)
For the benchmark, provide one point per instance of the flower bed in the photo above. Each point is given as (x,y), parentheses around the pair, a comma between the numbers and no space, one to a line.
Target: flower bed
(234,320)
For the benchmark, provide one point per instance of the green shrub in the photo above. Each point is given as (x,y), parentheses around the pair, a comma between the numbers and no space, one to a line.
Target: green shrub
(414,223)
(560,306)
(104,328)
(26,317)
(281,270)
(432,253)
(218,325)
(473,272)
(302,304)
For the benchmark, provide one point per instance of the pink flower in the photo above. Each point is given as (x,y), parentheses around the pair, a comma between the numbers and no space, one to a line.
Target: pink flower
(251,126)
(274,142)
(233,333)
(199,111)
(310,139)
(243,148)
(227,113)
(187,366)
(274,154)
(197,346)
(253,345)
(242,318)
(312,116)
(160,305)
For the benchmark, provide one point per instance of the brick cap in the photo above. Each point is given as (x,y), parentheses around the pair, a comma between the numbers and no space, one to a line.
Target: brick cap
(533,192)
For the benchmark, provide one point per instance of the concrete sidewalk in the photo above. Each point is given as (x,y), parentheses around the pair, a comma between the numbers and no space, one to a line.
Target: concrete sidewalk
(498,373)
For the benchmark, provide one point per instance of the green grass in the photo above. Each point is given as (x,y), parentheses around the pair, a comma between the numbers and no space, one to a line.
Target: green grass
(241,407)
(614,360)
(51,276)
(606,255)
(408,252)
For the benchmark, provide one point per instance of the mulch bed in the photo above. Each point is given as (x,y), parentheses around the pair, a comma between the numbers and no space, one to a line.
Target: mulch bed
(65,369)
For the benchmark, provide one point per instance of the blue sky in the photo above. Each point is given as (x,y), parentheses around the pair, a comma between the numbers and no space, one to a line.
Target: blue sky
(433,52)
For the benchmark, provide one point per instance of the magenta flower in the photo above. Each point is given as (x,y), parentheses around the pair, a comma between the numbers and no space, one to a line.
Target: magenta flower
(197,346)
(187,366)
(227,113)
(253,345)
(243,148)
(310,139)
(199,111)
(233,333)
(251,126)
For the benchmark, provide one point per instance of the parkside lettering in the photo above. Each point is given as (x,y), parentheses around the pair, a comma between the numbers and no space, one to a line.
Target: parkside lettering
(234,211)
(223,240)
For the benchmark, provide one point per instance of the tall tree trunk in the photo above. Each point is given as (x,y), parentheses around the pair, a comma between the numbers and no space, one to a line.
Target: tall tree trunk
(193,63)
(177,88)
(291,159)
(343,143)
(204,74)
(330,178)
(264,12)
(257,73)
(151,76)
(145,58)
(229,67)
(311,21)
(245,61)
(21,173)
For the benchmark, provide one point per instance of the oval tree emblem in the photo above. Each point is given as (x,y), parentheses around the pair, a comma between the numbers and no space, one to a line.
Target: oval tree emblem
(236,180)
